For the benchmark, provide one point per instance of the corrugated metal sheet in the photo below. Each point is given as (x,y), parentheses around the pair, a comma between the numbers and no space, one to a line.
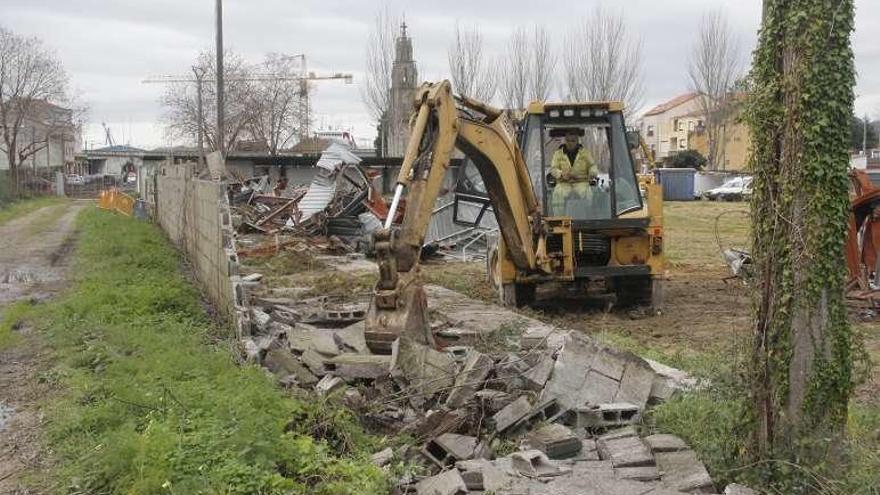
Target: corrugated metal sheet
(323,187)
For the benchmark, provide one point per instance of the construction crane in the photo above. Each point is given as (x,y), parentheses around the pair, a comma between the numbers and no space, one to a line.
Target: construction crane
(304,77)
(108,137)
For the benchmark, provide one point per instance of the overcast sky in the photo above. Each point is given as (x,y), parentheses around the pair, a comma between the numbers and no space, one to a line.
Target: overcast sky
(109,47)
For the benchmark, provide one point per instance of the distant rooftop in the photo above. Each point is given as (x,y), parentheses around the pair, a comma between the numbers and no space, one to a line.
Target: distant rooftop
(669,105)
(119,148)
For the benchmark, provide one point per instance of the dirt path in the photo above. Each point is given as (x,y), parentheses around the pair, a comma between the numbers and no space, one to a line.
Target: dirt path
(33,257)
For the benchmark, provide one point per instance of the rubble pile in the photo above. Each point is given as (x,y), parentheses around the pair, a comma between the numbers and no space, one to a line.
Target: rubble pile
(549,412)
(340,202)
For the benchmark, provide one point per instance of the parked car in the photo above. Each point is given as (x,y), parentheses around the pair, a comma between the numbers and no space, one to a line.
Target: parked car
(735,189)
(75,180)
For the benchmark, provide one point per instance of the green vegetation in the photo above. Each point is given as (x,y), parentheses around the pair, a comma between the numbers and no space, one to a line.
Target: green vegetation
(13,210)
(153,401)
(10,318)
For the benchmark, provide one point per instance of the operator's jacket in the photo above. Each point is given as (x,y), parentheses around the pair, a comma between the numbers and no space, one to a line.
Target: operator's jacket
(577,187)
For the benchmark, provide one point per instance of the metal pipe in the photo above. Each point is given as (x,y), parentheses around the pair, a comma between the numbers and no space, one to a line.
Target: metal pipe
(398,192)
(221,125)
(412,148)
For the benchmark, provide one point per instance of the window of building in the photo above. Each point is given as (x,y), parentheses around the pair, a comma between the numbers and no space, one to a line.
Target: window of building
(675,126)
(682,144)
(650,132)
(690,125)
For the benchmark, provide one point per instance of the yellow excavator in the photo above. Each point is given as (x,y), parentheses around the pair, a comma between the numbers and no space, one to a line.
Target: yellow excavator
(609,234)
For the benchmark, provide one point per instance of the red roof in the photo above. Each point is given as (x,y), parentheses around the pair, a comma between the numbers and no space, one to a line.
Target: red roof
(669,105)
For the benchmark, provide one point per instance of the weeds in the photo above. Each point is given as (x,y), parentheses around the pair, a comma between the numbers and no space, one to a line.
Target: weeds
(11,318)
(150,407)
(13,210)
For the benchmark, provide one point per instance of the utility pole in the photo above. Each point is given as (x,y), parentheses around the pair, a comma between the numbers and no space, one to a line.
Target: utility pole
(221,145)
(865,136)
(200,74)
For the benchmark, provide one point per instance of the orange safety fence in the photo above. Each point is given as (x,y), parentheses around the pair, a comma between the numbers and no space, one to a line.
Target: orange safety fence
(115,200)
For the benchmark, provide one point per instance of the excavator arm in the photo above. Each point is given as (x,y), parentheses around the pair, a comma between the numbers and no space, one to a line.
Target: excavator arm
(444,122)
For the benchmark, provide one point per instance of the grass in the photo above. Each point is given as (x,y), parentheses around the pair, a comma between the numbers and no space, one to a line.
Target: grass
(25,206)
(11,317)
(689,231)
(154,402)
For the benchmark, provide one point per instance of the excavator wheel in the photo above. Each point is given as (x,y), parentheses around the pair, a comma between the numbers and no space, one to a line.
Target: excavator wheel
(645,291)
(510,294)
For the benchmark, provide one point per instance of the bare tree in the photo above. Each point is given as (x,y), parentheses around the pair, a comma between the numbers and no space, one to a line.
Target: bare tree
(276,102)
(31,81)
(714,67)
(376,91)
(516,70)
(472,73)
(182,106)
(543,66)
(603,61)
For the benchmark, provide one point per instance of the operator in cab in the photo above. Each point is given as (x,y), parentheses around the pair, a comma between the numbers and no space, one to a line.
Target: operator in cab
(573,169)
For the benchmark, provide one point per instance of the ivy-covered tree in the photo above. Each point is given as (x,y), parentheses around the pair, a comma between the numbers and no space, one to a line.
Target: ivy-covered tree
(799,114)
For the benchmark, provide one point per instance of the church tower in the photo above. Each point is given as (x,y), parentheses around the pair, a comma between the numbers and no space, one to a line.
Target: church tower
(404,81)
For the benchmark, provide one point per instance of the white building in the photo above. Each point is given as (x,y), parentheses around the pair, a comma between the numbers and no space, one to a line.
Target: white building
(50,130)
(666,127)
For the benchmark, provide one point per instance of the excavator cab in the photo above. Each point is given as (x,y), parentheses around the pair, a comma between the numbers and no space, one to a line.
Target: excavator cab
(609,232)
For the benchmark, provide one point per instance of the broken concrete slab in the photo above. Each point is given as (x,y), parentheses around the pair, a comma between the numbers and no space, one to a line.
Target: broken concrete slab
(536,464)
(424,370)
(589,451)
(638,473)
(605,415)
(481,474)
(436,423)
(737,489)
(329,384)
(555,440)
(668,381)
(351,338)
(625,452)
(261,320)
(382,457)
(626,431)
(682,471)
(449,448)
(316,363)
(538,336)
(512,414)
(446,483)
(493,400)
(477,367)
(359,366)
(282,363)
(662,442)
(588,373)
(636,383)
(537,375)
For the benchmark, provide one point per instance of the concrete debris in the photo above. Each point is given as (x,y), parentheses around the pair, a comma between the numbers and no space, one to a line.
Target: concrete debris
(605,415)
(638,473)
(477,367)
(536,376)
(329,384)
(359,366)
(314,362)
(283,363)
(493,401)
(625,452)
(449,448)
(252,277)
(512,414)
(665,443)
(481,474)
(737,489)
(382,458)
(555,440)
(684,472)
(587,373)
(536,464)
(423,370)
(446,483)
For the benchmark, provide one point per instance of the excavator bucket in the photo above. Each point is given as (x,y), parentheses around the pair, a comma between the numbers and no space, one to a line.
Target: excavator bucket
(400,312)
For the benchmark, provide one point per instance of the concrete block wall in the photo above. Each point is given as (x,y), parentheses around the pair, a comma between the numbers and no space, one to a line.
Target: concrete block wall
(196,217)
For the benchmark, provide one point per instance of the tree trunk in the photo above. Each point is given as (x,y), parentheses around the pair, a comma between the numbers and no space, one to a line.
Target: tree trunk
(801,366)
